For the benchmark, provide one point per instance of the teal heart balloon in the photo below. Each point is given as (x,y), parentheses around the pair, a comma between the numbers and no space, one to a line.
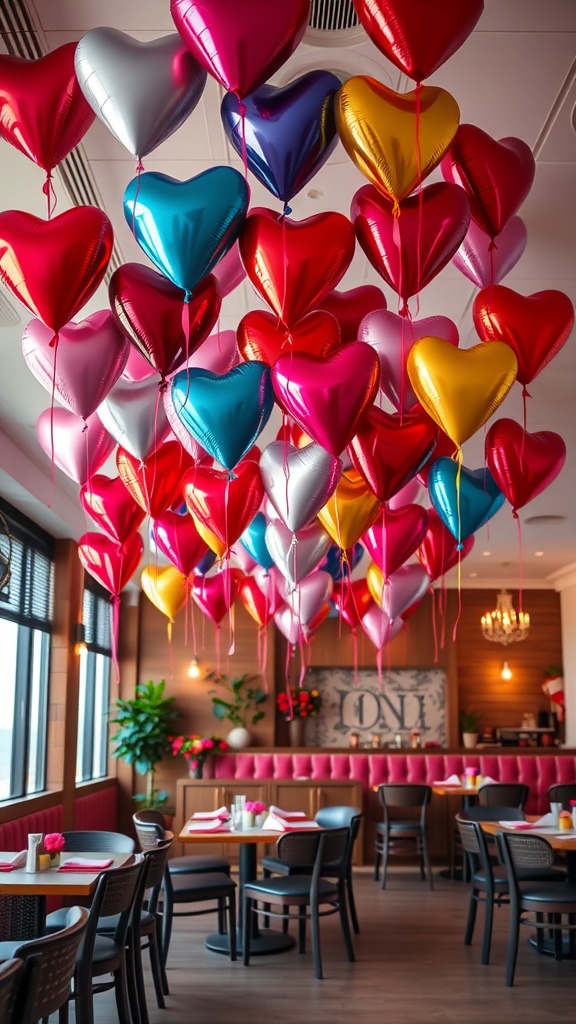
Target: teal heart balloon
(186,227)
(480,498)
(225,413)
(253,539)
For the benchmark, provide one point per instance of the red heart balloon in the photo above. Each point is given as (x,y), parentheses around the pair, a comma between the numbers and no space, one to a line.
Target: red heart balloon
(352,599)
(155,483)
(439,550)
(111,506)
(388,450)
(261,336)
(497,176)
(215,595)
(395,536)
(43,112)
(110,563)
(409,250)
(149,309)
(177,537)
(416,35)
(53,267)
(294,264)
(261,606)
(444,446)
(328,397)
(523,464)
(222,504)
(535,326)
(352,306)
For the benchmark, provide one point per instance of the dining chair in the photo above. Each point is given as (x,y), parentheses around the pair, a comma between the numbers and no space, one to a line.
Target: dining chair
(339,816)
(403,829)
(321,851)
(98,842)
(544,906)
(562,793)
(49,964)
(176,865)
(505,794)
(11,990)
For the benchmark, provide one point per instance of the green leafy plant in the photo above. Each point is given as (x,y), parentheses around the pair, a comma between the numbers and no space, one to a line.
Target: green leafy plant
(470,721)
(240,701)
(145,724)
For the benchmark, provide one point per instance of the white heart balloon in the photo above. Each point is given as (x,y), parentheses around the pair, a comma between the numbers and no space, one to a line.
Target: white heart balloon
(298,481)
(133,413)
(378,627)
(310,596)
(404,588)
(296,554)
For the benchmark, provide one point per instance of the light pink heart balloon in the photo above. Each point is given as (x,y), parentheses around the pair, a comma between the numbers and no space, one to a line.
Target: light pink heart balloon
(411,493)
(310,596)
(218,354)
(289,625)
(392,337)
(137,368)
(84,364)
(296,554)
(403,588)
(378,628)
(133,413)
(245,561)
(230,271)
(484,266)
(80,447)
(395,536)
(298,481)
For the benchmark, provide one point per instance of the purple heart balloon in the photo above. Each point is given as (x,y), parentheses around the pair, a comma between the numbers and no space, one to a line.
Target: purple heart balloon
(289,132)
(134,415)
(484,265)
(392,337)
(378,628)
(84,364)
(80,447)
(404,588)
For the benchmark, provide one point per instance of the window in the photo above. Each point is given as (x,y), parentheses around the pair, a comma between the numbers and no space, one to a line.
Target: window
(94,693)
(26,600)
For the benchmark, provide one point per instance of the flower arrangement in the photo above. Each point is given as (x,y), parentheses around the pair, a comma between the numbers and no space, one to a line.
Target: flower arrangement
(197,748)
(54,842)
(254,806)
(299,703)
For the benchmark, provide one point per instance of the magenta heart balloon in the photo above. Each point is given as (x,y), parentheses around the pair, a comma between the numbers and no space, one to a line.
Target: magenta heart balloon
(392,337)
(298,481)
(296,554)
(133,413)
(176,537)
(109,503)
(83,365)
(395,536)
(486,265)
(310,596)
(410,494)
(328,397)
(403,588)
(378,628)
(81,447)
(215,595)
(409,250)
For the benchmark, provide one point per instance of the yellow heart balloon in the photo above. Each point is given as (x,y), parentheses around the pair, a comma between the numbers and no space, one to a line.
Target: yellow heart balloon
(375,582)
(351,510)
(395,139)
(165,587)
(461,388)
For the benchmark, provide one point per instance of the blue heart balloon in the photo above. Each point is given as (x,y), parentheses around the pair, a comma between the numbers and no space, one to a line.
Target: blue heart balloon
(336,567)
(254,541)
(289,132)
(205,563)
(480,498)
(224,413)
(186,227)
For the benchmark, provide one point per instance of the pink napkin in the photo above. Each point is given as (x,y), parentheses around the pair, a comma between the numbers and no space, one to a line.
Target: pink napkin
(211,825)
(222,814)
(518,826)
(85,864)
(17,861)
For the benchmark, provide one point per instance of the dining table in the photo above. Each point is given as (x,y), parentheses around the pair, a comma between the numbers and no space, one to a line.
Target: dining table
(23,893)
(561,840)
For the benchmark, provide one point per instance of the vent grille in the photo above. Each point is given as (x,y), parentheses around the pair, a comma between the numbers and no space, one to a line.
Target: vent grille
(20,37)
(332,15)
(9,316)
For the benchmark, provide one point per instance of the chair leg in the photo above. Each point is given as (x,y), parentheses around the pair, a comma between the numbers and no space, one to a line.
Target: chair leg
(84,1001)
(346,927)
(232,925)
(472,909)
(247,918)
(384,861)
(488,924)
(301,929)
(315,929)
(135,984)
(167,914)
(158,943)
(121,993)
(512,948)
(352,903)
(377,859)
(156,969)
(427,864)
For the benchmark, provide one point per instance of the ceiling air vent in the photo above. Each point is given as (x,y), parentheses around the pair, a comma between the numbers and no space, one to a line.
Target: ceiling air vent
(9,316)
(332,15)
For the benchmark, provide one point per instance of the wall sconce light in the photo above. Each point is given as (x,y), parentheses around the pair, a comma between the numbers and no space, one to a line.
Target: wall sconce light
(194,671)
(506,672)
(80,646)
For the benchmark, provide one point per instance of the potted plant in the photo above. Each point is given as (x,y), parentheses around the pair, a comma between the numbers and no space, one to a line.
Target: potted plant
(469,725)
(239,702)
(145,723)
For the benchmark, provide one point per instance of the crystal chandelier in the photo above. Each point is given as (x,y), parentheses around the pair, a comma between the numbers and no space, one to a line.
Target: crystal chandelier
(503,625)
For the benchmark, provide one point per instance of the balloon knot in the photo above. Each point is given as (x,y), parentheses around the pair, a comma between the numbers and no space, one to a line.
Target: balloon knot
(139,165)
(187,296)
(54,340)
(46,185)
(231,475)
(525,392)
(404,311)
(287,210)
(459,547)
(396,209)
(85,427)
(492,245)
(241,107)
(514,513)
(163,385)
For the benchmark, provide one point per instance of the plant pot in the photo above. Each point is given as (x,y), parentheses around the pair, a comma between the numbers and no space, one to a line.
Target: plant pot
(238,738)
(469,739)
(55,859)
(297,732)
(196,771)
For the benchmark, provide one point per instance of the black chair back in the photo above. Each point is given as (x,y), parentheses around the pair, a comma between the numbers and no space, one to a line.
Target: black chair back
(563,793)
(505,794)
(11,976)
(149,833)
(495,813)
(98,842)
(52,963)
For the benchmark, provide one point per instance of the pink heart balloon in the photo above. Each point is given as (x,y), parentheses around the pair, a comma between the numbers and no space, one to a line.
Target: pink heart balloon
(177,537)
(410,494)
(245,561)
(378,628)
(137,368)
(409,250)
(296,554)
(403,588)
(395,536)
(230,271)
(392,337)
(80,447)
(310,596)
(218,353)
(484,265)
(289,625)
(327,397)
(133,413)
(215,595)
(83,365)
(110,563)
(298,481)
(108,502)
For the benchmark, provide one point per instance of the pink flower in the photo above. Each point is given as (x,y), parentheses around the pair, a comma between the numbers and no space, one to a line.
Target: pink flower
(254,806)
(54,842)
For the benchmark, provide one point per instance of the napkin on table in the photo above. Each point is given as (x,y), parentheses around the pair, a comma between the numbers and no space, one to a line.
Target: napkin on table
(487,780)
(209,825)
(221,814)
(286,815)
(518,826)
(452,780)
(18,860)
(85,864)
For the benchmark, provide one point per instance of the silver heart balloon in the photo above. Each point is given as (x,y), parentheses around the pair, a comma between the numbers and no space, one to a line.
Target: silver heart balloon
(310,596)
(298,481)
(142,92)
(296,554)
(133,413)
(404,588)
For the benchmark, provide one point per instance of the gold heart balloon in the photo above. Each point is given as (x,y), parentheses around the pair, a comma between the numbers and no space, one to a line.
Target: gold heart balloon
(351,510)
(214,543)
(461,388)
(166,588)
(395,139)
(375,582)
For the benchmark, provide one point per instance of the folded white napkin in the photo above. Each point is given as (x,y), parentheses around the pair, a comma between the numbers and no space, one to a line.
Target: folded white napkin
(274,823)
(211,825)
(548,819)
(286,815)
(518,826)
(16,861)
(222,814)
(452,780)
(85,864)
(488,781)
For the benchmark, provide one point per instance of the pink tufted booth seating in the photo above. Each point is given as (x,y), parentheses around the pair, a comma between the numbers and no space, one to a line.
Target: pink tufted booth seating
(372,768)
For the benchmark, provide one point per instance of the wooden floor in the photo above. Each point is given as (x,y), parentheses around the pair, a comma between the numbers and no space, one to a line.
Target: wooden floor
(412,968)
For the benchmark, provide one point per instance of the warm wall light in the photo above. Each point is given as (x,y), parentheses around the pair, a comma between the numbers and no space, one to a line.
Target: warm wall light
(80,639)
(194,671)
(506,672)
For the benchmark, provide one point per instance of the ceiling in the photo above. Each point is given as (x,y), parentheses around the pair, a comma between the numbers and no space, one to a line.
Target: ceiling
(515,76)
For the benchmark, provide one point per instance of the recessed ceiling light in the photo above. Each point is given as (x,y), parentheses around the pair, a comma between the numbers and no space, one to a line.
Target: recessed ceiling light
(544,520)
(472,575)
(538,554)
(314,193)
(486,553)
